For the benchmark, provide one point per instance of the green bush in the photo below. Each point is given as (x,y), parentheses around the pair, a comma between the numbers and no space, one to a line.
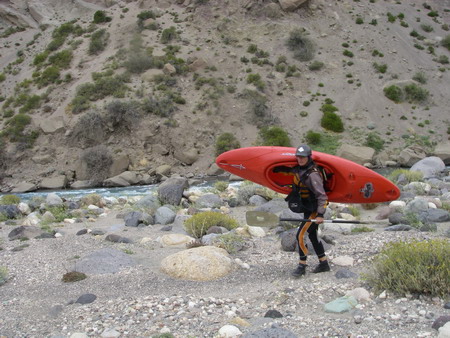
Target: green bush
(17,124)
(316,65)
(48,76)
(348,53)
(443,59)
(9,200)
(55,44)
(328,108)
(225,142)
(168,35)
(60,212)
(101,17)
(362,229)
(274,136)
(415,267)
(446,42)
(61,59)
(374,140)
(420,77)
(198,225)
(40,58)
(302,47)
(331,121)
(380,68)
(99,41)
(32,102)
(221,186)
(411,176)
(313,137)
(231,242)
(394,93)
(415,93)
(258,106)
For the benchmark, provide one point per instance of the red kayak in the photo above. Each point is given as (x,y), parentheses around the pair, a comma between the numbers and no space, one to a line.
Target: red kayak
(348,182)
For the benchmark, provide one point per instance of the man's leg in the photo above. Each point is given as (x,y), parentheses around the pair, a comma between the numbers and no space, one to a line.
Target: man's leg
(318,248)
(302,248)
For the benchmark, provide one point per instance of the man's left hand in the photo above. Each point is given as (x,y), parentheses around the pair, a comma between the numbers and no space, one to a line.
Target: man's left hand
(319,220)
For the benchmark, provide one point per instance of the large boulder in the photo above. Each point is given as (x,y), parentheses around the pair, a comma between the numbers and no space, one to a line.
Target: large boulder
(357,154)
(429,166)
(52,125)
(411,155)
(119,165)
(443,152)
(199,264)
(209,201)
(24,187)
(104,261)
(164,215)
(291,5)
(187,156)
(57,182)
(171,190)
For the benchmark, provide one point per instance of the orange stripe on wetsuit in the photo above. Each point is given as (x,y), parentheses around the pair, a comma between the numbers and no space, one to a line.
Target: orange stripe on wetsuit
(301,235)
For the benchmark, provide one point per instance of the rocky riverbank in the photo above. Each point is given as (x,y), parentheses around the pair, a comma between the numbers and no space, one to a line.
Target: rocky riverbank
(126,247)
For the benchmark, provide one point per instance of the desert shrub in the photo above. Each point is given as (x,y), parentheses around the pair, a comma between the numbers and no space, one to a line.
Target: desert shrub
(98,42)
(162,107)
(420,77)
(40,58)
(60,212)
(393,93)
(9,200)
(331,121)
(426,28)
(313,137)
(302,47)
(415,93)
(411,176)
(16,125)
(359,21)
(3,275)
(89,130)
(101,17)
(142,16)
(66,29)
(316,65)
(32,102)
(347,53)
(91,199)
(380,68)
(139,62)
(98,162)
(442,59)
(446,42)
(258,105)
(55,44)
(256,80)
(274,136)
(221,186)
(73,276)
(48,76)
(415,267)
(61,59)
(225,142)
(231,242)
(374,140)
(198,225)
(168,35)
(121,114)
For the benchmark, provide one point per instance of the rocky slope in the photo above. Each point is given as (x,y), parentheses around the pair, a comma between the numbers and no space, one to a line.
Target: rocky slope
(216,41)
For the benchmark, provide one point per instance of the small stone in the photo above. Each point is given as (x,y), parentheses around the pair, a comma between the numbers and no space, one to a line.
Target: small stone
(273,314)
(447,305)
(228,331)
(86,298)
(82,232)
(345,273)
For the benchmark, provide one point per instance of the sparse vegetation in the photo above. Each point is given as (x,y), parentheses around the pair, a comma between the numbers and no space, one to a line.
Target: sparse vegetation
(313,137)
(374,140)
(89,131)
(331,121)
(98,161)
(316,65)
(231,242)
(168,35)
(3,275)
(420,77)
(198,225)
(380,68)
(302,47)
(393,93)
(415,267)
(409,176)
(446,42)
(101,17)
(9,200)
(99,41)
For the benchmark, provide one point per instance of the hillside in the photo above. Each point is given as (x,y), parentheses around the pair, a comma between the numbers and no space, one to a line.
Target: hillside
(156,83)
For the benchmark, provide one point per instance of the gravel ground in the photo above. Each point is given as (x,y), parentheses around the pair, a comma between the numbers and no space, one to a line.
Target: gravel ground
(142,301)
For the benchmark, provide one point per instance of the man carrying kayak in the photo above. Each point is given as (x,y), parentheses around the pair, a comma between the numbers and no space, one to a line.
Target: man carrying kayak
(308,197)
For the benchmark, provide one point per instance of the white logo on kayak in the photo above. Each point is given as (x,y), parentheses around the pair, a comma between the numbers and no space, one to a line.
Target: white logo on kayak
(237,166)
(287,154)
